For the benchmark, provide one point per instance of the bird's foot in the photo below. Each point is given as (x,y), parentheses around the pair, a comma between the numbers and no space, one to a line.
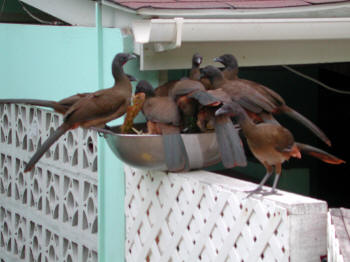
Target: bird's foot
(271,192)
(254,191)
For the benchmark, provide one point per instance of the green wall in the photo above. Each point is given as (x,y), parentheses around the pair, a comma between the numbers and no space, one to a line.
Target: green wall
(52,62)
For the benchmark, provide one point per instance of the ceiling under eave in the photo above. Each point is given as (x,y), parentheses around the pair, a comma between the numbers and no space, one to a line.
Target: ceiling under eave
(283,36)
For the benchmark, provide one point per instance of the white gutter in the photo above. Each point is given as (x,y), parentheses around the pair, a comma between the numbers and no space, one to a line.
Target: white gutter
(253,41)
(311,11)
(225,30)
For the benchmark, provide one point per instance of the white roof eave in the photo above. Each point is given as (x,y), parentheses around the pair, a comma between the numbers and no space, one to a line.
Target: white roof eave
(256,36)
(223,30)
(315,11)
(167,43)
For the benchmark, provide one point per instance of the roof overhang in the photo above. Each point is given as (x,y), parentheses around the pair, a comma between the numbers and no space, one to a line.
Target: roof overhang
(167,43)
(269,36)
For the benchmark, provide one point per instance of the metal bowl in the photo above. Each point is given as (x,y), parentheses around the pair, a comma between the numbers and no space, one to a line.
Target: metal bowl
(146,151)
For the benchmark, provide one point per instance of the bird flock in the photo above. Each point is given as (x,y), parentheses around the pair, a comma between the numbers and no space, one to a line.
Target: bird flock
(208,100)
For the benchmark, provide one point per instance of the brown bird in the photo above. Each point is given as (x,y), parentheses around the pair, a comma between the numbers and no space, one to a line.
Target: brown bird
(230,63)
(163,117)
(183,88)
(195,73)
(271,144)
(193,100)
(230,72)
(189,96)
(165,89)
(60,107)
(94,109)
(206,115)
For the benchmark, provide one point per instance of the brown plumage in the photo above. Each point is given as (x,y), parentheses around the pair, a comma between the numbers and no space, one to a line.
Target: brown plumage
(163,117)
(94,109)
(61,106)
(194,74)
(193,100)
(230,72)
(164,89)
(271,144)
(189,94)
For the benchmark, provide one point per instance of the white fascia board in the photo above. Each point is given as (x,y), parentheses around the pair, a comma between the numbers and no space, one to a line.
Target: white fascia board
(255,41)
(82,12)
(248,53)
(167,44)
(224,30)
(311,11)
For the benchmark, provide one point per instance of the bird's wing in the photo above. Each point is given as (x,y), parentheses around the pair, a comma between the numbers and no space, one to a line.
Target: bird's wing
(247,96)
(99,105)
(162,110)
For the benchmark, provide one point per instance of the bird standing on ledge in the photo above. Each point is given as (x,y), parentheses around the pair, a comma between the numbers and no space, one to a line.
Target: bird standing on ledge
(163,117)
(61,106)
(271,144)
(230,72)
(94,109)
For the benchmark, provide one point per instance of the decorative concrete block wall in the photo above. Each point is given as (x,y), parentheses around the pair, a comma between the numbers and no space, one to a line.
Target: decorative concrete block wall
(49,214)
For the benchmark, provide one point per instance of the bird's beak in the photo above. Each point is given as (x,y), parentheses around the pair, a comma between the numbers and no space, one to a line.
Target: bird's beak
(131,56)
(218,59)
(131,78)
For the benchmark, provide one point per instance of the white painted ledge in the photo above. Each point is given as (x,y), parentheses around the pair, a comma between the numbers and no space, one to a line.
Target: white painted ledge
(204,216)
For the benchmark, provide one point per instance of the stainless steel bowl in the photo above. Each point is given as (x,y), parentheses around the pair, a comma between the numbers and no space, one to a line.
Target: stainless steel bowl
(146,151)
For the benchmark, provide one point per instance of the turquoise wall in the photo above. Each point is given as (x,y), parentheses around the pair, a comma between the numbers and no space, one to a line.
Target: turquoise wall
(51,62)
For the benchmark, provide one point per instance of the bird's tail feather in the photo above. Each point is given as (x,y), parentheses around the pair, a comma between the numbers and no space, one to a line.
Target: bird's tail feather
(44,147)
(230,145)
(36,102)
(175,153)
(306,122)
(320,154)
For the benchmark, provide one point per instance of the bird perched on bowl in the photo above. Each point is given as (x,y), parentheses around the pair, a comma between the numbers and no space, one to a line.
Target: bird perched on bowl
(163,117)
(271,144)
(194,102)
(94,109)
(189,96)
(278,104)
(192,97)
